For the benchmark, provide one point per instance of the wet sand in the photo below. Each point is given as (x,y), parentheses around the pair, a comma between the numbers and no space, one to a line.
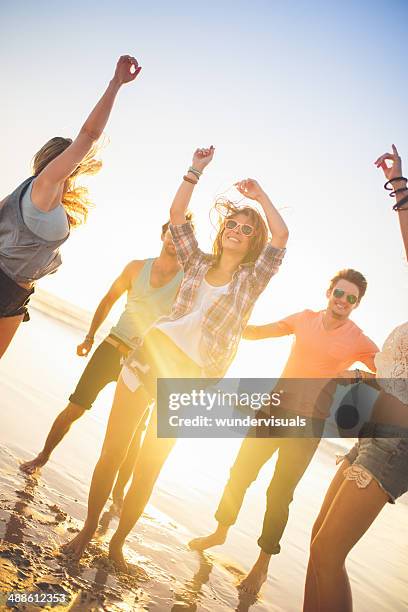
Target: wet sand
(38,514)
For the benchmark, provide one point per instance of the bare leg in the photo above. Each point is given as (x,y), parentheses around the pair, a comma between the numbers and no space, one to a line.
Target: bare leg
(150,461)
(127,410)
(128,465)
(350,515)
(8,327)
(311,602)
(254,580)
(216,538)
(59,429)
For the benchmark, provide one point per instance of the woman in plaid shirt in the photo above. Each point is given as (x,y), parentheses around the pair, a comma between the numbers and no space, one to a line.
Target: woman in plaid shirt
(199,338)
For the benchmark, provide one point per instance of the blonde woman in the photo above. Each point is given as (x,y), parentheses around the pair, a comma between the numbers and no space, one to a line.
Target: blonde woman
(35,220)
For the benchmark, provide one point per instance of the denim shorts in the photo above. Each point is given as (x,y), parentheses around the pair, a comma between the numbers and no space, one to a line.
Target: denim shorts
(383,457)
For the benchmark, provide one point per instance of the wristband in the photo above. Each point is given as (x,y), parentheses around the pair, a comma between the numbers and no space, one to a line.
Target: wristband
(189,180)
(89,338)
(398,205)
(195,171)
(394,193)
(396,178)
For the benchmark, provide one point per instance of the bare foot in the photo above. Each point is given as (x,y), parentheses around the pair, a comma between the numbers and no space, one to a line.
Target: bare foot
(114,510)
(118,494)
(116,507)
(75,547)
(116,555)
(214,539)
(105,522)
(30,467)
(255,579)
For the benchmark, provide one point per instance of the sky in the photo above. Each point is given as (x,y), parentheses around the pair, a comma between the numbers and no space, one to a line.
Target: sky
(302,96)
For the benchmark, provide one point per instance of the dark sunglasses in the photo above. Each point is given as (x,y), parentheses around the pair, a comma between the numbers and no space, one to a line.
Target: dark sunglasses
(352,299)
(245,228)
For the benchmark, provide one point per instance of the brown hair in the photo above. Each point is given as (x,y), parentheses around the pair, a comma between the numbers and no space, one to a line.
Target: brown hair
(189,218)
(352,276)
(227,209)
(75,199)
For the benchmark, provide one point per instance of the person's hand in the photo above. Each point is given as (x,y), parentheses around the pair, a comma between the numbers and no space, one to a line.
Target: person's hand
(127,69)
(202,158)
(396,167)
(84,348)
(345,374)
(249,188)
(346,377)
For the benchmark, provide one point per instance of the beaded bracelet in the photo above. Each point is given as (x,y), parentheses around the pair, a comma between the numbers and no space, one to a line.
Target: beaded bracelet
(189,180)
(396,178)
(195,171)
(397,206)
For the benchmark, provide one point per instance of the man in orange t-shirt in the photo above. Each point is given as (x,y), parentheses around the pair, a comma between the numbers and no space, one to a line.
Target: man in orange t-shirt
(326,343)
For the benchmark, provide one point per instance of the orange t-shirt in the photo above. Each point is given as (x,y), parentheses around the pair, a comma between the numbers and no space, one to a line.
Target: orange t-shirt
(318,353)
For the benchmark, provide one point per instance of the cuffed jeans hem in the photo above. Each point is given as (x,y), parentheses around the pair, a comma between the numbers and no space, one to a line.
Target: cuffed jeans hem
(267,548)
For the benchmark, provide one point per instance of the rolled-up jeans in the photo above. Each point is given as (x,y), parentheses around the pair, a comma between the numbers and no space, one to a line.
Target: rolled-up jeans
(294,457)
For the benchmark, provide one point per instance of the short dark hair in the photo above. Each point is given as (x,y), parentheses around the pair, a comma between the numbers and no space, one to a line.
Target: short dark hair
(189,217)
(352,276)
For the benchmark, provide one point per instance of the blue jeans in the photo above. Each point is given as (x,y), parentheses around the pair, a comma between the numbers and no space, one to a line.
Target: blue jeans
(295,454)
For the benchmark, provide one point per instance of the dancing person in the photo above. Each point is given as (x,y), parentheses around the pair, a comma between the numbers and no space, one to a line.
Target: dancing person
(35,220)
(151,287)
(325,343)
(375,471)
(199,338)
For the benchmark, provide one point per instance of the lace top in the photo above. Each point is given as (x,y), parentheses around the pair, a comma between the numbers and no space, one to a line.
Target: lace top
(392,364)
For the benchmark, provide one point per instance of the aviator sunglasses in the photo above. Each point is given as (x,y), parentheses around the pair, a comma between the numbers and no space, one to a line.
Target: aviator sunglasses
(338,293)
(244,228)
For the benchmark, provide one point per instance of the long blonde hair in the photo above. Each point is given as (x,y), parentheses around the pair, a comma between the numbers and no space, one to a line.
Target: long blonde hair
(75,199)
(227,209)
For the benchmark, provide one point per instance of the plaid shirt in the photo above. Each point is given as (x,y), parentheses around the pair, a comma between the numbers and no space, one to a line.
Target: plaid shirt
(226,319)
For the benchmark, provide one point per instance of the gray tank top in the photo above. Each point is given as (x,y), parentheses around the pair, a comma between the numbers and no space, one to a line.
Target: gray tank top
(24,256)
(50,225)
(145,305)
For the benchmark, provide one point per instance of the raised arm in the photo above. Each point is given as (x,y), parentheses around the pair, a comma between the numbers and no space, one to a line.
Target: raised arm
(120,285)
(47,185)
(394,175)
(271,330)
(201,159)
(277,226)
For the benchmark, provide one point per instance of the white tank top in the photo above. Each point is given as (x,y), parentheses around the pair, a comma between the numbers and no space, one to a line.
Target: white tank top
(186,331)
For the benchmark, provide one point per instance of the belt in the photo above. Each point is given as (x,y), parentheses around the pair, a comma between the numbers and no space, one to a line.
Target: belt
(122,347)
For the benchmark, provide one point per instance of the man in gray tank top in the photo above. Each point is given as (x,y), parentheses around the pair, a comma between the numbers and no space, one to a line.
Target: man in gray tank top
(151,285)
